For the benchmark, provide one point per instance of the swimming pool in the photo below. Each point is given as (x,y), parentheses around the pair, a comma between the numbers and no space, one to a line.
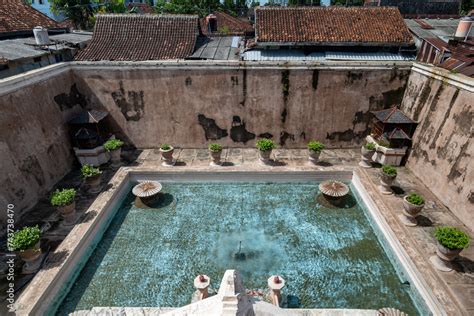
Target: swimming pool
(330,257)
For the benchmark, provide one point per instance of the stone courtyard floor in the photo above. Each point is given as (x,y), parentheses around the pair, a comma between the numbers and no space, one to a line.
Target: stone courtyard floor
(455,290)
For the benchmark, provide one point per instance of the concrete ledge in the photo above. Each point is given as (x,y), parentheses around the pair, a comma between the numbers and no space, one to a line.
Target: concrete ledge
(458,80)
(19,81)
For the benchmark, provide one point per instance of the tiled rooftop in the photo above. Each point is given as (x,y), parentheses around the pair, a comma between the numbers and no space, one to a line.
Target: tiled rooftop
(326,25)
(16,16)
(142,8)
(141,37)
(231,25)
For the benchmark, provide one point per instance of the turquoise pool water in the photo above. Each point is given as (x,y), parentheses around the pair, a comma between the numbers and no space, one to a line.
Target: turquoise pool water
(330,257)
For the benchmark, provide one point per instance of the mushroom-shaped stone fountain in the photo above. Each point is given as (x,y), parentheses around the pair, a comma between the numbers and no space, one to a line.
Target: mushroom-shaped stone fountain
(334,191)
(146,193)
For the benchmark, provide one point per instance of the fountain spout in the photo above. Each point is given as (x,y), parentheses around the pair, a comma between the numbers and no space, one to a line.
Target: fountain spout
(240,256)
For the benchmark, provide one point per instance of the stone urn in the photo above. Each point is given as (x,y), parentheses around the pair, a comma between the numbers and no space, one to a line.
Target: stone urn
(444,257)
(115,157)
(93,183)
(265,156)
(68,212)
(366,157)
(215,157)
(386,182)
(167,156)
(410,212)
(313,156)
(31,254)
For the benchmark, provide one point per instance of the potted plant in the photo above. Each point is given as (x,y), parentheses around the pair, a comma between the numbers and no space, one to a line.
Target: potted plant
(413,203)
(387,176)
(114,146)
(167,154)
(265,147)
(26,243)
(367,151)
(64,201)
(314,149)
(451,241)
(92,177)
(215,151)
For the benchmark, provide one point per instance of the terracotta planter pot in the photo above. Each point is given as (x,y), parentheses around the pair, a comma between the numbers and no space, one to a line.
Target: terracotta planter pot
(167,156)
(31,254)
(215,157)
(93,183)
(386,182)
(410,212)
(366,157)
(443,258)
(265,156)
(115,156)
(68,212)
(313,156)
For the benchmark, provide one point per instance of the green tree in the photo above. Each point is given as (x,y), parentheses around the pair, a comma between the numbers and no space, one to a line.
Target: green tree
(466,6)
(79,12)
(199,7)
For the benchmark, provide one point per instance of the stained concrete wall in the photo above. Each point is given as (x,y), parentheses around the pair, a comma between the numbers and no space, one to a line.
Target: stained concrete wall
(443,146)
(189,106)
(34,145)
(185,104)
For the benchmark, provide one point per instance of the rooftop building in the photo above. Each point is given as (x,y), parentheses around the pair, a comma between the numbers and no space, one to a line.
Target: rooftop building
(142,37)
(307,33)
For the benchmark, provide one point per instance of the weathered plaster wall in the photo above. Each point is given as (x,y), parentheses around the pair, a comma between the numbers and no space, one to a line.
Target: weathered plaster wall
(443,147)
(190,106)
(34,145)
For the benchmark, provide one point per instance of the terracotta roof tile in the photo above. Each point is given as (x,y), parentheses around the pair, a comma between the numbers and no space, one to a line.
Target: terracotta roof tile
(234,25)
(16,16)
(137,37)
(327,25)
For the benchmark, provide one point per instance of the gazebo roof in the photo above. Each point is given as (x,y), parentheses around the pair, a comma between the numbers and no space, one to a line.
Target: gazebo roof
(392,116)
(397,133)
(85,117)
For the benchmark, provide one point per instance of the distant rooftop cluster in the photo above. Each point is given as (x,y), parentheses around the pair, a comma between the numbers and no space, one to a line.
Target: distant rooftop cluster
(370,33)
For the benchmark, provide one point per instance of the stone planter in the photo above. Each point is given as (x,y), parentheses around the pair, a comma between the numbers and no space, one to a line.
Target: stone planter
(410,212)
(265,156)
(68,212)
(366,157)
(95,157)
(93,183)
(313,156)
(167,157)
(387,156)
(443,258)
(386,183)
(115,157)
(215,157)
(30,255)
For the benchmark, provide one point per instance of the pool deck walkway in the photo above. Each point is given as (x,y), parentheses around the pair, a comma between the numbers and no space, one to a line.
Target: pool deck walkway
(454,290)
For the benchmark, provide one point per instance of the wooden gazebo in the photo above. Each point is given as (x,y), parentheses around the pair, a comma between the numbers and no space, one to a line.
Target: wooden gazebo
(394,127)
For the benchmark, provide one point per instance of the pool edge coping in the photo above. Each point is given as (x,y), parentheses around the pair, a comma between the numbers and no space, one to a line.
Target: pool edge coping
(47,283)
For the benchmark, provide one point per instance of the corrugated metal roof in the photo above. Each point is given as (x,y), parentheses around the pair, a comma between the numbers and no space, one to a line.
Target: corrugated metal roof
(441,28)
(366,56)
(299,55)
(21,48)
(217,48)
